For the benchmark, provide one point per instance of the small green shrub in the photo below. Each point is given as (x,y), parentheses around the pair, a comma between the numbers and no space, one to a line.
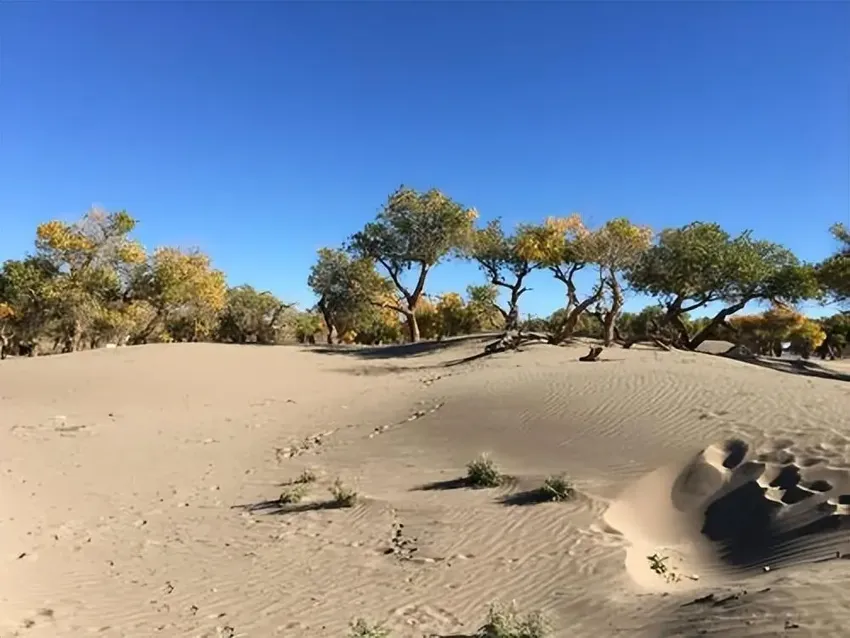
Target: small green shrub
(558,488)
(658,564)
(342,495)
(293,494)
(482,472)
(507,622)
(307,476)
(362,629)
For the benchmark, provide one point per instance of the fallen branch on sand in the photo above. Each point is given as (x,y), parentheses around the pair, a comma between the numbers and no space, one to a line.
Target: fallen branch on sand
(513,339)
(593,355)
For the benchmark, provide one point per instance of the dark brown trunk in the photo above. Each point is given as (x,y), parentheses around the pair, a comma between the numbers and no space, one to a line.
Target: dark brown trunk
(566,331)
(716,320)
(512,316)
(609,324)
(329,322)
(412,327)
(674,318)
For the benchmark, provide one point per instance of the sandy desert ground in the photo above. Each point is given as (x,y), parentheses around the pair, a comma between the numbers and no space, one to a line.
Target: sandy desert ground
(138,490)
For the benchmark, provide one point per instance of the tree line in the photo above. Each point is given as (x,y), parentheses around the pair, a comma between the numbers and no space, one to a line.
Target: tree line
(89,283)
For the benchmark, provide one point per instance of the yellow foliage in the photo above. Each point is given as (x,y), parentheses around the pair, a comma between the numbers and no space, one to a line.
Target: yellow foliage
(6,311)
(132,252)
(188,278)
(63,238)
(809,333)
(551,242)
(427,318)
(617,244)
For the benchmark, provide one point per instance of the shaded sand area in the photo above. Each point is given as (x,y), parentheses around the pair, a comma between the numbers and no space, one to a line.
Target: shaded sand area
(137,489)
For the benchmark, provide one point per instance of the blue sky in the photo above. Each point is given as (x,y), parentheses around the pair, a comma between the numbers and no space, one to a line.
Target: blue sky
(261,131)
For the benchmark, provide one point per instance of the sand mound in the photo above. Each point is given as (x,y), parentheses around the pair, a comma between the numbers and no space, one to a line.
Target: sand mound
(733,508)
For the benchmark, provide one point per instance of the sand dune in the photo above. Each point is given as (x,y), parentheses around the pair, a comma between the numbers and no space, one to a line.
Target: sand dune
(139,490)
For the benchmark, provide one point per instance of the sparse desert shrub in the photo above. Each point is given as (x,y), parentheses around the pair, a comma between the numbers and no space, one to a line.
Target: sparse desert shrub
(506,622)
(362,629)
(658,564)
(482,472)
(342,495)
(558,488)
(293,494)
(307,476)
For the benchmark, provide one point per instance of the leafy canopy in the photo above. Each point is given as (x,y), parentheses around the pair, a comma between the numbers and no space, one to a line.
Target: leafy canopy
(700,263)
(414,229)
(250,316)
(834,272)
(498,254)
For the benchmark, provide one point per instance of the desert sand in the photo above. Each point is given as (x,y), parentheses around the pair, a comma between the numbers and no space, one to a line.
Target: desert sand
(138,489)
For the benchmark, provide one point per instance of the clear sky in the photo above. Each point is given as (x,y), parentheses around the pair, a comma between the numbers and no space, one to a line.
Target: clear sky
(261,131)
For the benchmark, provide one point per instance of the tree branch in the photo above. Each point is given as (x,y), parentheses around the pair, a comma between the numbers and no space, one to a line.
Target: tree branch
(393,273)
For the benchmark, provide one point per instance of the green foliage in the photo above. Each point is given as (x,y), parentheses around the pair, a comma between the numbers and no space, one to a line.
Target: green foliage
(93,260)
(505,621)
(482,472)
(350,292)
(343,496)
(558,488)
(658,564)
(414,231)
(293,494)
(307,325)
(504,264)
(250,316)
(362,629)
(186,292)
(701,263)
(834,272)
(28,293)
(307,476)
(89,282)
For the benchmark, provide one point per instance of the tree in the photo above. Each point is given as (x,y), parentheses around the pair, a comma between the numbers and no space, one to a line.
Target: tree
(564,246)
(93,258)
(498,257)
(250,316)
(414,232)
(765,333)
(485,313)
(348,289)
(615,248)
(28,296)
(452,315)
(185,292)
(834,272)
(698,264)
(837,335)
(307,326)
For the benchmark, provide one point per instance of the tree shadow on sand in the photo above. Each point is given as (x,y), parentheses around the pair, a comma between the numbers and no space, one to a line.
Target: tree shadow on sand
(276,508)
(792,366)
(401,350)
(526,497)
(462,483)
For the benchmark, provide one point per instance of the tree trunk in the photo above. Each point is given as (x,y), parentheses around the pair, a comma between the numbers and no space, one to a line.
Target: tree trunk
(143,336)
(329,322)
(609,324)
(332,334)
(674,318)
(566,331)
(412,327)
(716,320)
(512,316)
